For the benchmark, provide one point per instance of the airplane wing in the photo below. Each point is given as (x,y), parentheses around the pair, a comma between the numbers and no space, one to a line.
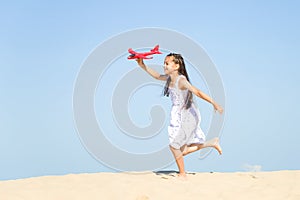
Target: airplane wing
(139,56)
(131,51)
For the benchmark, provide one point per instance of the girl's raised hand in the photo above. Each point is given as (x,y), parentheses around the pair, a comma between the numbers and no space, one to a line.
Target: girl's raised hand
(140,61)
(218,108)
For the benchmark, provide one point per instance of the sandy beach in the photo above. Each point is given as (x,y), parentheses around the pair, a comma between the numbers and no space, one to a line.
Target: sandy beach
(156,185)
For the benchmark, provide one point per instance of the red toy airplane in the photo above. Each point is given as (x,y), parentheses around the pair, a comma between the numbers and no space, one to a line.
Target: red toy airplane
(134,55)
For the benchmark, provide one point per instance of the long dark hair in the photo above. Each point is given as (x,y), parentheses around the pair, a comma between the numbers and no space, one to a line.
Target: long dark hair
(178,59)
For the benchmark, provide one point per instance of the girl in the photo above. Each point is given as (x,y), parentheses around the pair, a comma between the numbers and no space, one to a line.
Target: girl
(185,135)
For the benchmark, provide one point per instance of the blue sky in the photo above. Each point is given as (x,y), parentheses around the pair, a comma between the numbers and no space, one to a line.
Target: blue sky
(254,44)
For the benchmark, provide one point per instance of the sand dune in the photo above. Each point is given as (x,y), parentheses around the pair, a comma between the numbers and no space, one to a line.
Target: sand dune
(156,185)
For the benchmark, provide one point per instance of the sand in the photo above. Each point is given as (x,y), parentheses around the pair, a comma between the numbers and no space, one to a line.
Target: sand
(155,186)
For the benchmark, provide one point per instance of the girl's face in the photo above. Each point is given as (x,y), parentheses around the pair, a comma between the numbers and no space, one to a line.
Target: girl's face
(169,65)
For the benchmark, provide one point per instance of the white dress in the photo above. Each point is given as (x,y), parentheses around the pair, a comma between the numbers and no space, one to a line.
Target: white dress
(184,123)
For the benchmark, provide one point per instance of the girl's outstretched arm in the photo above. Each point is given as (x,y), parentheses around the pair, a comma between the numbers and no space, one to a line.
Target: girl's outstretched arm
(150,71)
(184,84)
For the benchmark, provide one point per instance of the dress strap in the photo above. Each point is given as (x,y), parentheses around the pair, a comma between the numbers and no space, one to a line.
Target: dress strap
(177,80)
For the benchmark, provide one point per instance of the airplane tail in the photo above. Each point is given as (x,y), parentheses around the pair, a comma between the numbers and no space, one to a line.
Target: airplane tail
(156,50)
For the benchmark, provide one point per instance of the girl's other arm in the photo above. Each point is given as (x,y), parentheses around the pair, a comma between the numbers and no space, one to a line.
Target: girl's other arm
(150,71)
(184,84)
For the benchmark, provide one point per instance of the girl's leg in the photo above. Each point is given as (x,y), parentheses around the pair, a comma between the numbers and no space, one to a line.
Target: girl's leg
(211,143)
(178,155)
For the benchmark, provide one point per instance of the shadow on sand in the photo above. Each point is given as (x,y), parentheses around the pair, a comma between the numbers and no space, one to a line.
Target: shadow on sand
(170,173)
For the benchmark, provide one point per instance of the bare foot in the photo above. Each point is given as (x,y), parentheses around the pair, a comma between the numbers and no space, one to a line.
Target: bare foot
(215,144)
(182,176)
